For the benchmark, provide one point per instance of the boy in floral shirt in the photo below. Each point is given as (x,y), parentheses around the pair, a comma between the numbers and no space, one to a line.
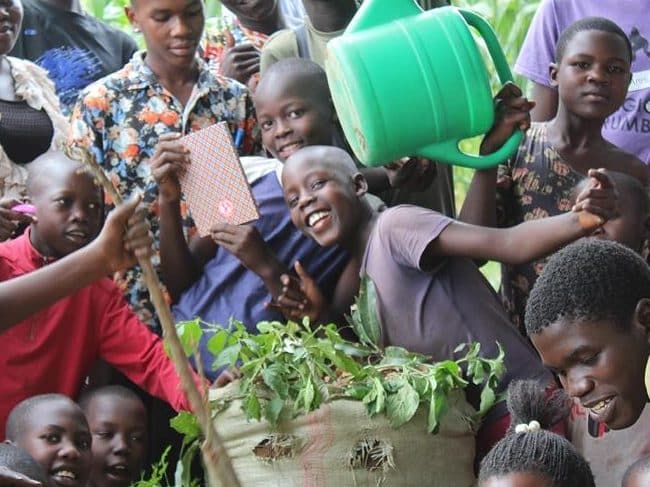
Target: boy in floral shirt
(165,89)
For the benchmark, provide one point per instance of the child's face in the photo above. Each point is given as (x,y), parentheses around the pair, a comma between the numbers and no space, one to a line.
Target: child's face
(519,479)
(57,436)
(69,212)
(323,202)
(630,228)
(593,75)
(292,116)
(601,364)
(119,431)
(171,29)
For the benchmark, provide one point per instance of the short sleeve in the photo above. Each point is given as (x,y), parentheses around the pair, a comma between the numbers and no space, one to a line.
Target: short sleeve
(406,231)
(281,45)
(538,49)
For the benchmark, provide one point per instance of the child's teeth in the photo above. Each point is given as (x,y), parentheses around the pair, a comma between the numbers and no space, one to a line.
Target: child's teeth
(66,473)
(601,405)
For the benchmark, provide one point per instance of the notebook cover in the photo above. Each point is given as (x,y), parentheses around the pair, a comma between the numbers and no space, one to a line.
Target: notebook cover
(215,185)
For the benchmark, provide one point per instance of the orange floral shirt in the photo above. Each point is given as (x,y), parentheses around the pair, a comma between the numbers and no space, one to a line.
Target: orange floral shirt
(120,119)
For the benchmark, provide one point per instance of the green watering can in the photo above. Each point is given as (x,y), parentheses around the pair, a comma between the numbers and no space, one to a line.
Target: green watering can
(407,82)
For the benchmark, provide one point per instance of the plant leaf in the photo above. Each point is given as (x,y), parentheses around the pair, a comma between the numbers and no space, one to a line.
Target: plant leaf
(186,424)
(274,377)
(401,406)
(365,321)
(272,410)
(189,333)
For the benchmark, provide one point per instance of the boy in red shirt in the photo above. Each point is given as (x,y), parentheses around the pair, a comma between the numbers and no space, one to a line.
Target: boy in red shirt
(58,321)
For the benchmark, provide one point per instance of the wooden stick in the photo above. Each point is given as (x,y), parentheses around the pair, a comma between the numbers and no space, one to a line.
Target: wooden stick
(215,457)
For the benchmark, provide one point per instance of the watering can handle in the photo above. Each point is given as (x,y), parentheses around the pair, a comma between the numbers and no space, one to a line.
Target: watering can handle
(442,150)
(491,42)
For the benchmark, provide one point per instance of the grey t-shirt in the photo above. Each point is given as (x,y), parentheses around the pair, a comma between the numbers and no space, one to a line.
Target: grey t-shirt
(433,312)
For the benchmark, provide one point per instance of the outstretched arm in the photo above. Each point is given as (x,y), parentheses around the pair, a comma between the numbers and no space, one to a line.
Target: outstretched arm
(532,239)
(124,237)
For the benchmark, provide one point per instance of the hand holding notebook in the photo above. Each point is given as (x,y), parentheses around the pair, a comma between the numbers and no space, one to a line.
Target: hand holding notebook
(215,185)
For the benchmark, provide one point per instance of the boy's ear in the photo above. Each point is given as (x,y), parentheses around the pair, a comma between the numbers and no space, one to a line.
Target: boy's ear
(552,74)
(130,14)
(642,315)
(360,184)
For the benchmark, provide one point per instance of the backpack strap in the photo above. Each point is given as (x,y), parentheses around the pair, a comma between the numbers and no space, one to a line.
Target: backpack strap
(301,40)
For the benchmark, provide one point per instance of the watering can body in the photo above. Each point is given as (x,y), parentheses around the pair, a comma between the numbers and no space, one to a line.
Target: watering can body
(406,82)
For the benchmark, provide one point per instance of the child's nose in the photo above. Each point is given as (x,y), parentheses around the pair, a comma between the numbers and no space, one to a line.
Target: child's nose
(282,128)
(120,444)
(578,385)
(69,450)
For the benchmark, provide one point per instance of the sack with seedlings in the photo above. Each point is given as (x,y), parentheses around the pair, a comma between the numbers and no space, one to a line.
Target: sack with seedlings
(339,445)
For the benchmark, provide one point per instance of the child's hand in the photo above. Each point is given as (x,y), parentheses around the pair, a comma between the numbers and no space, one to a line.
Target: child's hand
(512,111)
(226,377)
(168,163)
(11,220)
(125,237)
(300,297)
(243,241)
(411,173)
(241,62)
(598,201)
(10,478)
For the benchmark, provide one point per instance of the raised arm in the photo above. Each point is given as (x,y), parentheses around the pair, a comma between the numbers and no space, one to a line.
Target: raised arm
(115,249)
(512,111)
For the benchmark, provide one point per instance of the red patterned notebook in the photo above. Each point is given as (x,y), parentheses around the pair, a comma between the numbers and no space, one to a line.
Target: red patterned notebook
(215,184)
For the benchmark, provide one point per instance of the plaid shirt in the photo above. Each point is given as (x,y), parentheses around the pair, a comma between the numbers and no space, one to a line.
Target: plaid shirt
(120,119)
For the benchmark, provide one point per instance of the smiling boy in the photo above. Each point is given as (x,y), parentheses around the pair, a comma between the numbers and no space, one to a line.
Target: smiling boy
(430,295)
(54,431)
(588,316)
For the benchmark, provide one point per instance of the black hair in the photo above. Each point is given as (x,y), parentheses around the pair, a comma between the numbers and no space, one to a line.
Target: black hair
(19,415)
(537,450)
(590,23)
(588,280)
(304,71)
(625,184)
(642,465)
(117,391)
(20,461)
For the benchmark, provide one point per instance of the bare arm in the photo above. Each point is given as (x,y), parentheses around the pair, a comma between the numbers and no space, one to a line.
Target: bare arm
(532,239)
(545,99)
(115,249)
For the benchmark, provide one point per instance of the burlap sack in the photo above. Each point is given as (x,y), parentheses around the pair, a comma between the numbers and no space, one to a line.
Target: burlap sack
(338,445)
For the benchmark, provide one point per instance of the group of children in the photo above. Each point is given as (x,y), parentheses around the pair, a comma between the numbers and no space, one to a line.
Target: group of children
(100,442)
(587,316)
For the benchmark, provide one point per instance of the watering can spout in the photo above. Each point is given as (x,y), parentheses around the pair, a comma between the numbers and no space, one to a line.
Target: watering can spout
(373,13)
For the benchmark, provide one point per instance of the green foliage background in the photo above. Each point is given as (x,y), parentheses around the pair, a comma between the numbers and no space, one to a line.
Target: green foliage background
(509,18)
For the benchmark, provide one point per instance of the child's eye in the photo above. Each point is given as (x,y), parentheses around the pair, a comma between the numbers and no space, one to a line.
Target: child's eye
(93,206)
(53,438)
(615,69)
(103,434)
(582,64)
(292,201)
(319,183)
(84,443)
(139,437)
(296,113)
(162,17)
(591,360)
(266,124)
